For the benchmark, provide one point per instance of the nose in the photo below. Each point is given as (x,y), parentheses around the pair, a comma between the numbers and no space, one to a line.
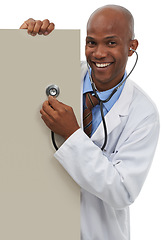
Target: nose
(100,52)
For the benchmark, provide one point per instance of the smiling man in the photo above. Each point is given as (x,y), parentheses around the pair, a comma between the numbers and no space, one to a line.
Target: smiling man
(110,35)
(111,179)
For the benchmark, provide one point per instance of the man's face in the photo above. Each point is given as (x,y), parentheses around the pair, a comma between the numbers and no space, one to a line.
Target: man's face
(107,48)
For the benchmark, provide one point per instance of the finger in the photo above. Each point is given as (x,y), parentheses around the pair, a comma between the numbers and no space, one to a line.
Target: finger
(49,116)
(26,23)
(47,27)
(46,118)
(44,114)
(55,104)
(37,27)
(45,24)
(31,26)
(48,109)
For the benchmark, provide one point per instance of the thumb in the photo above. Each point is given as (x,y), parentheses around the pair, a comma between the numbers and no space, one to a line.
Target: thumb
(24,26)
(54,102)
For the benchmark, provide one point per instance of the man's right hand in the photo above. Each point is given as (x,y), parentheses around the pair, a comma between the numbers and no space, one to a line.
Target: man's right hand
(38,27)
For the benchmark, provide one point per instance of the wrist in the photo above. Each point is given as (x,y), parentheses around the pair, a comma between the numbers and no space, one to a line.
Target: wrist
(68,134)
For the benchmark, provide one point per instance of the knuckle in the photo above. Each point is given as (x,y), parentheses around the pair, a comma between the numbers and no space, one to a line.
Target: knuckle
(29,20)
(69,108)
(39,22)
(52,25)
(32,23)
(43,28)
(46,21)
(61,111)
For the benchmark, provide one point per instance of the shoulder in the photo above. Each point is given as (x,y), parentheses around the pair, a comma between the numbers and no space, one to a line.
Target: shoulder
(142,99)
(142,107)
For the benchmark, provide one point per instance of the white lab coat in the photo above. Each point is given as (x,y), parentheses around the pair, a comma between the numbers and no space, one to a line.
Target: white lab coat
(111,180)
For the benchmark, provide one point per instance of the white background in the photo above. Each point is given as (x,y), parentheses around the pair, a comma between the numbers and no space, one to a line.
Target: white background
(147,211)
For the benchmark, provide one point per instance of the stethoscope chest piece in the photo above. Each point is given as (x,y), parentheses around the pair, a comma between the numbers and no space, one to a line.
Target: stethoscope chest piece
(53,90)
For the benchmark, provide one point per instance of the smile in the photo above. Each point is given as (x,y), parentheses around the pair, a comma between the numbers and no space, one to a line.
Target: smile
(102,65)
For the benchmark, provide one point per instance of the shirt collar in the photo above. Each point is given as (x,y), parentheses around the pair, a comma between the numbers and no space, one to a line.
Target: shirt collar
(105,94)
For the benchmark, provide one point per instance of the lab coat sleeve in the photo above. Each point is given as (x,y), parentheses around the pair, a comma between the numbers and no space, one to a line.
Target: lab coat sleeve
(117,179)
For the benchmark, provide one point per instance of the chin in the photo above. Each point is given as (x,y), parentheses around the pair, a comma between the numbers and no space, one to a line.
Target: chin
(103,79)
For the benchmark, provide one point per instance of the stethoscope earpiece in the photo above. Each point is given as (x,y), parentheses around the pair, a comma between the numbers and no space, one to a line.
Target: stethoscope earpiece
(132,50)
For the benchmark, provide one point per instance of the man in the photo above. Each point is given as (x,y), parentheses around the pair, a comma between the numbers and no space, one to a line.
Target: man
(110,180)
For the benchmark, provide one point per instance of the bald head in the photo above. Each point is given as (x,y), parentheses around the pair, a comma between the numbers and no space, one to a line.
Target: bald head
(110,33)
(118,13)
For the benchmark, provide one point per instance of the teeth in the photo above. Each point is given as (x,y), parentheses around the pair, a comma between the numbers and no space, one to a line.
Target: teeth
(102,65)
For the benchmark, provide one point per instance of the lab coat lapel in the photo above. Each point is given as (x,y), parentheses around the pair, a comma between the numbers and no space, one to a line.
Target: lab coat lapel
(118,111)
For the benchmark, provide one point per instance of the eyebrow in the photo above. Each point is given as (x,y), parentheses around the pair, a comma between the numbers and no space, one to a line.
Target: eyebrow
(106,38)
(111,37)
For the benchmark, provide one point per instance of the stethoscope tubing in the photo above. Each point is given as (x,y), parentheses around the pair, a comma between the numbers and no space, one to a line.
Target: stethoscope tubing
(101,103)
(110,96)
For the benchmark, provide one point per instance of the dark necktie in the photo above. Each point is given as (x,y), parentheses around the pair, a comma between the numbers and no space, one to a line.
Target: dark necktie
(90,102)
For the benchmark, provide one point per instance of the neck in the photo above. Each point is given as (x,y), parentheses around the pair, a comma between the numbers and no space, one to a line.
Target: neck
(104,86)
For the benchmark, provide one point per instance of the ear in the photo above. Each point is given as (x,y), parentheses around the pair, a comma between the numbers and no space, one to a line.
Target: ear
(133,45)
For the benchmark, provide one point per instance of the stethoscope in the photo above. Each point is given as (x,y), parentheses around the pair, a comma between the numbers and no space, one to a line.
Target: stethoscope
(110,96)
(53,90)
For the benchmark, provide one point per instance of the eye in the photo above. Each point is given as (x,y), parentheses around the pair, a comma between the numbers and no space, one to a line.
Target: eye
(90,43)
(111,43)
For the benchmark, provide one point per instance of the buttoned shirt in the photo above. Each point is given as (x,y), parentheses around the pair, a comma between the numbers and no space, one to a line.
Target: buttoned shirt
(96,114)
